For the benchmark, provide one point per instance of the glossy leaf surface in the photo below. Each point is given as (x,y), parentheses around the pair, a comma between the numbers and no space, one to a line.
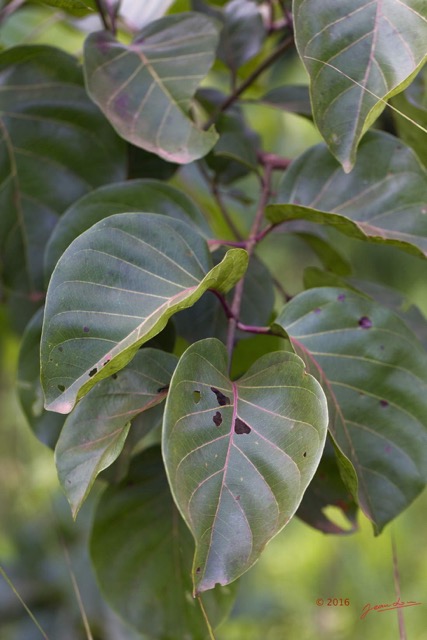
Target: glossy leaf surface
(145,89)
(47,125)
(114,288)
(93,435)
(384,198)
(374,373)
(358,53)
(139,538)
(239,455)
(134,195)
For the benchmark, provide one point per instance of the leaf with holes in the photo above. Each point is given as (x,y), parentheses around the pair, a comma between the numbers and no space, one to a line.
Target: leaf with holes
(123,197)
(239,455)
(47,125)
(374,373)
(358,54)
(93,435)
(113,289)
(383,200)
(139,538)
(145,88)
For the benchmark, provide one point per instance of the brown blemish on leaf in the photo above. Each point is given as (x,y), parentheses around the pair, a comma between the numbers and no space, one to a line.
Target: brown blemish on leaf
(365,322)
(241,427)
(221,398)
(217,418)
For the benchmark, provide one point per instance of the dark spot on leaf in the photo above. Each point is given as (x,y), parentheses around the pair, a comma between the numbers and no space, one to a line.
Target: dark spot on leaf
(196,396)
(60,349)
(384,403)
(114,376)
(161,389)
(222,399)
(106,362)
(86,329)
(365,322)
(92,373)
(61,387)
(304,454)
(198,570)
(341,297)
(237,498)
(241,427)
(318,310)
(217,419)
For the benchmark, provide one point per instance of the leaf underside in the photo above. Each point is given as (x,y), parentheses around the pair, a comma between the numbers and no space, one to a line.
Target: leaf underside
(239,455)
(145,88)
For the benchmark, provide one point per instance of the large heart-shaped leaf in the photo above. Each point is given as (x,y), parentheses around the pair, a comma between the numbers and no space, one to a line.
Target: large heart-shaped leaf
(374,373)
(93,435)
(47,125)
(145,88)
(239,455)
(114,288)
(358,54)
(384,198)
(150,195)
(139,539)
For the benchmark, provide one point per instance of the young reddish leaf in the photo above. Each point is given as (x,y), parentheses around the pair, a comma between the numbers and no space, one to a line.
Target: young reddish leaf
(240,457)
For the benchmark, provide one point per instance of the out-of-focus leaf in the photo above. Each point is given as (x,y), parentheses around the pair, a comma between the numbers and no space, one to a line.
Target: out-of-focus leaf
(139,539)
(141,13)
(374,373)
(383,200)
(413,103)
(113,289)
(314,277)
(45,424)
(331,259)
(55,146)
(149,195)
(145,88)
(239,455)
(327,489)
(75,7)
(143,164)
(94,434)
(358,54)
(291,98)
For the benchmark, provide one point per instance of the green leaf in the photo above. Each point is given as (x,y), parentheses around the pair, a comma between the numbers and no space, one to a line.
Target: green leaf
(327,489)
(114,288)
(374,373)
(145,89)
(413,104)
(123,197)
(143,164)
(75,7)
(55,146)
(239,455)
(139,539)
(382,200)
(292,98)
(243,33)
(358,54)
(327,254)
(45,424)
(94,434)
